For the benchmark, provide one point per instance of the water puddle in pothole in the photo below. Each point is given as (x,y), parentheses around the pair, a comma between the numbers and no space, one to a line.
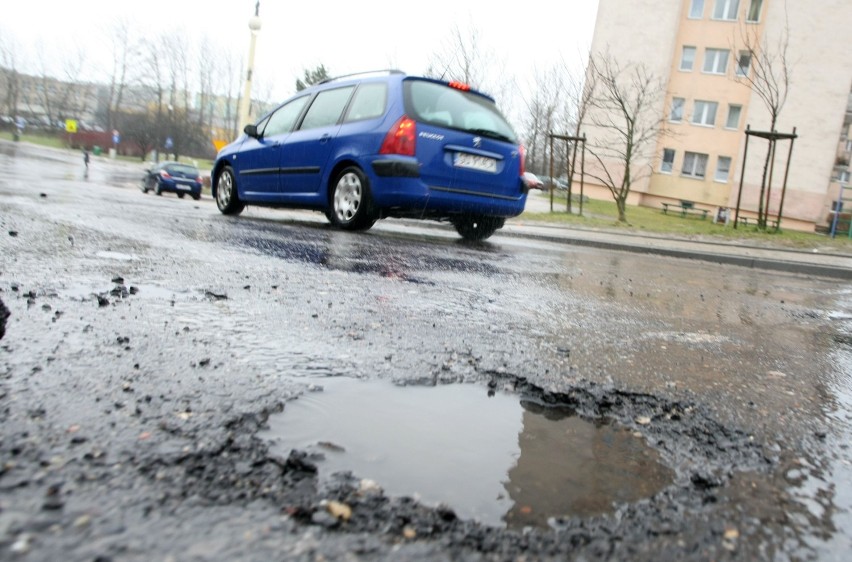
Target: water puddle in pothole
(498,459)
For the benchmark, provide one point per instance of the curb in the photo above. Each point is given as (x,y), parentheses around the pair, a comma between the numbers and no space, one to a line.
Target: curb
(719,258)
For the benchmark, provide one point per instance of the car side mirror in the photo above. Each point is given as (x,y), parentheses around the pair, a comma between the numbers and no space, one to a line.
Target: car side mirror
(251,130)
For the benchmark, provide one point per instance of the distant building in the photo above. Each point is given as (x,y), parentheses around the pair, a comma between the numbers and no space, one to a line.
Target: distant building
(696,47)
(45,103)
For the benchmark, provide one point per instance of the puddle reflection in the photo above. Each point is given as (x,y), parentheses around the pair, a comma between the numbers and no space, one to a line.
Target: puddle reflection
(496,459)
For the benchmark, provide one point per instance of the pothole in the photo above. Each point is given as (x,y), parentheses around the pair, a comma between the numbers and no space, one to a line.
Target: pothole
(490,456)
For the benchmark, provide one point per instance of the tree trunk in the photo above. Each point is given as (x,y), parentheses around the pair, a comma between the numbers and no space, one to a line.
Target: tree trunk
(761,212)
(621,204)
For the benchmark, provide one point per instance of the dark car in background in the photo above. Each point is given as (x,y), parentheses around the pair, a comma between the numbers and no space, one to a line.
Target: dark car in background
(532,182)
(376,145)
(174,177)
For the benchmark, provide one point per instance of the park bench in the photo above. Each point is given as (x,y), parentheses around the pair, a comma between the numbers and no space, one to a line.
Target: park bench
(747,221)
(685,208)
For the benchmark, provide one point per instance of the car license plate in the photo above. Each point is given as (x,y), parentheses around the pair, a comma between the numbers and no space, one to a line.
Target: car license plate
(475,162)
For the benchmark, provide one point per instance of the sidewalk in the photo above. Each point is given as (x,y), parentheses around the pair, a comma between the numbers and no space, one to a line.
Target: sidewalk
(810,262)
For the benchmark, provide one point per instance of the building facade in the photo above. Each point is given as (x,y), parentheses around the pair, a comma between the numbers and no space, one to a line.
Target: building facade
(702,51)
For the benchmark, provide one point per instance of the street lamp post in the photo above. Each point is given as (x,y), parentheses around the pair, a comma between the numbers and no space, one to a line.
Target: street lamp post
(245,101)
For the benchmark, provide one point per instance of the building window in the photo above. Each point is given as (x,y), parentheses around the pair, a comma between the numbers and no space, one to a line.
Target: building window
(723,168)
(754,11)
(716,61)
(696,9)
(687,59)
(668,161)
(743,63)
(849,145)
(694,165)
(843,176)
(726,9)
(677,110)
(705,113)
(734,112)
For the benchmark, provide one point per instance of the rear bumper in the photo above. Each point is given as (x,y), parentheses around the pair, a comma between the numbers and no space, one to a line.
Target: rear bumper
(411,196)
(180,188)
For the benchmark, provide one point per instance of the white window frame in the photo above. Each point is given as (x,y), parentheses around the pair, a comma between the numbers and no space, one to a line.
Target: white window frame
(716,60)
(739,112)
(666,166)
(755,7)
(680,106)
(726,10)
(743,70)
(849,145)
(687,63)
(843,177)
(696,9)
(704,113)
(722,170)
(694,165)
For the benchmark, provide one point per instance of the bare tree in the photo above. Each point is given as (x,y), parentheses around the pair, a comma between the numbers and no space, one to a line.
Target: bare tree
(546,112)
(156,81)
(767,70)
(623,104)
(125,53)
(9,76)
(463,59)
(59,98)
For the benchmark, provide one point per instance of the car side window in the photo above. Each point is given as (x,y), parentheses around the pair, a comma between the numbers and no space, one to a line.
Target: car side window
(284,118)
(327,108)
(368,102)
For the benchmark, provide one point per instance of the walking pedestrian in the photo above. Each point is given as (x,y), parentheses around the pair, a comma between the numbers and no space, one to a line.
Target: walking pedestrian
(86,158)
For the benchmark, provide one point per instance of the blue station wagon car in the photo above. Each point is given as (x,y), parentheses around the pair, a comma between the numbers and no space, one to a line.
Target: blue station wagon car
(379,145)
(173,177)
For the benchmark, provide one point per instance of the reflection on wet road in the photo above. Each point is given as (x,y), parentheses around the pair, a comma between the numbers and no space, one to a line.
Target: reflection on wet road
(489,456)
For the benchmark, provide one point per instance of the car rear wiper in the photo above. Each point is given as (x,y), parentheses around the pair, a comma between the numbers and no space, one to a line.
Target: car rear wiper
(490,134)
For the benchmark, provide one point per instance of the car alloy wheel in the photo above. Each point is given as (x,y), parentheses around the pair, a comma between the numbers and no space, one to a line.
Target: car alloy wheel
(226,193)
(351,207)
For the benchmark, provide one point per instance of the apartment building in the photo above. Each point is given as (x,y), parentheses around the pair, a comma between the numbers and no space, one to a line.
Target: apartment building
(699,49)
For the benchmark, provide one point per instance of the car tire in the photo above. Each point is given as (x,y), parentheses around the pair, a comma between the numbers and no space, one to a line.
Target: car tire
(477,227)
(180,195)
(157,189)
(227,198)
(196,197)
(350,204)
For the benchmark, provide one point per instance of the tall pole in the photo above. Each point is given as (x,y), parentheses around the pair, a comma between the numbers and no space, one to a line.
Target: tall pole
(582,172)
(550,135)
(742,177)
(245,101)
(786,175)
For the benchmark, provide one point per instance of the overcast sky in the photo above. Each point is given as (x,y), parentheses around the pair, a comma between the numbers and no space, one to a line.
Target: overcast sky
(345,36)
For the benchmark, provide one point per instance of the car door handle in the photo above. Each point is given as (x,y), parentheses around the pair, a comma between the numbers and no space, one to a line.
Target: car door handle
(325,138)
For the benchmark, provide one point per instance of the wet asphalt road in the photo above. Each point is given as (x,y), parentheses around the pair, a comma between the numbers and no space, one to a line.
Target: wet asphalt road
(150,339)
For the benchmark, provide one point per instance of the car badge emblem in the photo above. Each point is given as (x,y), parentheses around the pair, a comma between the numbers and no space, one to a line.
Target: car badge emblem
(477,142)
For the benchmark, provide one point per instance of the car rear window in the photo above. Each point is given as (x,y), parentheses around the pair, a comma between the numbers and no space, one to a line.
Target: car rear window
(182,169)
(444,106)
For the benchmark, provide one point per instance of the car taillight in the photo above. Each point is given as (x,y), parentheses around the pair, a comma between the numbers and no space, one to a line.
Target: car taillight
(401,139)
(198,179)
(165,175)
(459,86)
(523,154)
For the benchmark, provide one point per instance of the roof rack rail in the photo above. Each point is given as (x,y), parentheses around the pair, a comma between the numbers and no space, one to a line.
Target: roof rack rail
(381,71)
